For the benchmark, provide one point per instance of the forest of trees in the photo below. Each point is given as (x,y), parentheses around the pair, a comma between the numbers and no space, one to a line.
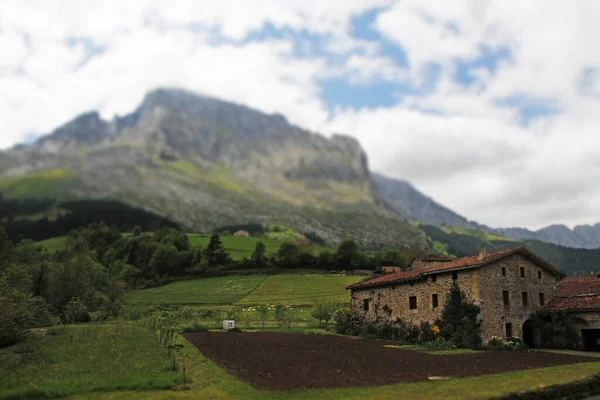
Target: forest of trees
(87,279)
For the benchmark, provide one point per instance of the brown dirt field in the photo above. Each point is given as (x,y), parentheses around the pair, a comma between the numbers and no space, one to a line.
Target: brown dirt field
(276,361)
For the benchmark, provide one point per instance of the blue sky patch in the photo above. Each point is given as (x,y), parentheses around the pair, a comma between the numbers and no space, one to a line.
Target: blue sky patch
(337,92)
(489,59)
(362,28)
(530,108)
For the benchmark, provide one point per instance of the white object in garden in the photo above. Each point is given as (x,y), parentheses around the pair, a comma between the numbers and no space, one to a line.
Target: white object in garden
(228,324)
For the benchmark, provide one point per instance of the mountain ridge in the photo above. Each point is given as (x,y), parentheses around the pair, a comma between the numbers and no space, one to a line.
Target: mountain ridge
(204,162)
(405,198)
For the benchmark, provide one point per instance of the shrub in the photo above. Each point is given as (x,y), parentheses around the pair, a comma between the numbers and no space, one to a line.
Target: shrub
(97,316)
(439,344)
(75,311)
(284,315)
(348,323)
(53,331)
(510,344)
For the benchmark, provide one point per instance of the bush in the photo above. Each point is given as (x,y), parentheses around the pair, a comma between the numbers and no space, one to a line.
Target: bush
(348,323)
(439,344)
(54,331)
(97,316)
(75,311)
(510,344)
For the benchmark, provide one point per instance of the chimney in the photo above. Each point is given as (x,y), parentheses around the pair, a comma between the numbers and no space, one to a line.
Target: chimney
(482,252)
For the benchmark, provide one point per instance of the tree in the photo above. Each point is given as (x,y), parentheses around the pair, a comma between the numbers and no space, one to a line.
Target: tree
(163,260)
(324,310)
(559,328)
(137,231)
(394,258)
(263,311)
(20,311)
(259,255)
(459,323)
(75,311)
(347,254)
(288,254)
(215,254)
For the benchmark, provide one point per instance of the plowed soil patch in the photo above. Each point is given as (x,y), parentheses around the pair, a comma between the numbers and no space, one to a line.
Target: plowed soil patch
(274,361)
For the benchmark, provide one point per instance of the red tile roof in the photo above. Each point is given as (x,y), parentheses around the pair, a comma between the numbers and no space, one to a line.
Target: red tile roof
(580,293)
(578,285)
(470,261)
(455,264)
(437,258)
(575,303)
(397,277)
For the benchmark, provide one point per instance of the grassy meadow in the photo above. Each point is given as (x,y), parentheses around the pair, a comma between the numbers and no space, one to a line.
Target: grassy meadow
(301,289)
(85,359)
(219,290)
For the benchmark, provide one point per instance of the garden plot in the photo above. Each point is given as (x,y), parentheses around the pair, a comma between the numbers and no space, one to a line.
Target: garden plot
(274,361)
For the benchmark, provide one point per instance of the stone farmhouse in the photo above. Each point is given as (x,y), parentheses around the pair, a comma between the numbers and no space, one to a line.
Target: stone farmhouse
(581,296)
(242,233)
(508,285)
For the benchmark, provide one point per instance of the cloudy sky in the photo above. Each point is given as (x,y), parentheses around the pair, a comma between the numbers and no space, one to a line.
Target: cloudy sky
(490,107)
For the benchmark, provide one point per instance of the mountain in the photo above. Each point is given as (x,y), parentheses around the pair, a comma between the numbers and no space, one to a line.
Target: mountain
(205,163)
(581,236)
(404,198)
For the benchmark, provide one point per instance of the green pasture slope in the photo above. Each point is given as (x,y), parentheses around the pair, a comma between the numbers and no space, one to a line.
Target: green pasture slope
(220,290)
(54,244)
(301,289)
(237,247)
(288,289)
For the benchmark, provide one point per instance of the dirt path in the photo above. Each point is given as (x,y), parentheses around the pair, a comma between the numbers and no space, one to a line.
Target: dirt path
(273,361)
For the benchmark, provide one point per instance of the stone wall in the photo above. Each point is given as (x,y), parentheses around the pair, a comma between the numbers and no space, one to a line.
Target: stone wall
(493,312)
(396,298)
(482,286)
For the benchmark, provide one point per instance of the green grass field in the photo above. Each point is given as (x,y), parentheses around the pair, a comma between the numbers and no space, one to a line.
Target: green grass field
(301,289)
(237,247)
(54,244)
(221,290)
(85,359)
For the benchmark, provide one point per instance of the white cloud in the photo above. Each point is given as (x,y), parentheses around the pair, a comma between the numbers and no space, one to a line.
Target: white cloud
(60,58)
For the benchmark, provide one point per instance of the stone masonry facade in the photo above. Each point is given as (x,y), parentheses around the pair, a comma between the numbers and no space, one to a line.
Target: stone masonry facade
(528,286)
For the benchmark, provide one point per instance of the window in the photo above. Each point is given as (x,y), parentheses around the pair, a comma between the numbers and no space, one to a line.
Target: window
(503,271)
(522,272)
(454,275)
(525,298)
(509,331)
(505,297)
(539,274)
(542,301)
(433,278)
(412,302)
(366,304)
(434,301)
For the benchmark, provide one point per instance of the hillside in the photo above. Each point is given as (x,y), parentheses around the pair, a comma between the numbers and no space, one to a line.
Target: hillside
(460,242)
(204,163)
(416,206)
(407,200)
